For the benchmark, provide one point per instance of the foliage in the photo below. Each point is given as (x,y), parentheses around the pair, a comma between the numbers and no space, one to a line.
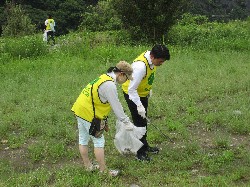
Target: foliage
(197,32)
(37,17)
(80,43)
(22,47)
(221,10)
(190,31)
(149,20)
(18,23)
(101,17)
(190,19)
(68,15)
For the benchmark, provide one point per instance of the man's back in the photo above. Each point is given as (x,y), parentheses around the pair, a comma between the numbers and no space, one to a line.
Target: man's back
(50,24)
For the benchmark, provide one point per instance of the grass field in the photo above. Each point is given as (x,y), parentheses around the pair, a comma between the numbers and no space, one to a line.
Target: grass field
(201,99)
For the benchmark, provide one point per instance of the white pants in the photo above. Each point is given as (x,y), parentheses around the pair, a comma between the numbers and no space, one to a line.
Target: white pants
(84,137)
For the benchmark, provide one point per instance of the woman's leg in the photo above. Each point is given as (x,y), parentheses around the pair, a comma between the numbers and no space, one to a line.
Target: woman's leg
(85,157)
(83,141)
(99,154)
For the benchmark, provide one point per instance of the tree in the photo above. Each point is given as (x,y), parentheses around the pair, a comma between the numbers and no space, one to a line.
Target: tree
(101,17)
(18,23)
(149,20)
(67,13)
(221,10)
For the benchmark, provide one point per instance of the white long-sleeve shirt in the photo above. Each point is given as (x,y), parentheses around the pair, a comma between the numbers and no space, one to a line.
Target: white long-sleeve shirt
(108,93)
(139,71)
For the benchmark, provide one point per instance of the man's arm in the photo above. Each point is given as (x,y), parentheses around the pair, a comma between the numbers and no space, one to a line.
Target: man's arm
(139,71)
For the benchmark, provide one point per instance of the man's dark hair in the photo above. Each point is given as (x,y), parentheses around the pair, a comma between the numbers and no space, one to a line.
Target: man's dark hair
(160,51)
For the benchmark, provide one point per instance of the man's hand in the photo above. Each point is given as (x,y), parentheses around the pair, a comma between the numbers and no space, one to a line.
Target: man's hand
(141,111)
(129,126)
(150,94)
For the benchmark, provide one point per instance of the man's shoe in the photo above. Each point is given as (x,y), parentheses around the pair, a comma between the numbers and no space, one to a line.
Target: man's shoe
(143,157)
(153,150)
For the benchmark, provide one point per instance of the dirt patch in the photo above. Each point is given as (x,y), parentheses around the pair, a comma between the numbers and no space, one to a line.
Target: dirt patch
(208,138)
(19,160)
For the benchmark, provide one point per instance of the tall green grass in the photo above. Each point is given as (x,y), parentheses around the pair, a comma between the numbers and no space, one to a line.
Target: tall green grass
(23,47)
(198,33)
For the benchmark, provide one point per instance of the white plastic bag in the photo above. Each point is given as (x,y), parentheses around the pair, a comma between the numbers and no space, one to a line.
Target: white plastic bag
(45,36)
(128,141)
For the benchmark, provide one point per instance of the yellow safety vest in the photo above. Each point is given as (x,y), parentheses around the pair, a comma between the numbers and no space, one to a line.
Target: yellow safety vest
(49,22)
(83,107)
(146,84)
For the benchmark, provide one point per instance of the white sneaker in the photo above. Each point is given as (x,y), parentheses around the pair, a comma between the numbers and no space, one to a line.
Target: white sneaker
(111,172)
(93,167)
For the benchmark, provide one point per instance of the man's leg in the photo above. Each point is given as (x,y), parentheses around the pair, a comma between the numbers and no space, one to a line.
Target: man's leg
(53,37)
(138,121)
(48,36)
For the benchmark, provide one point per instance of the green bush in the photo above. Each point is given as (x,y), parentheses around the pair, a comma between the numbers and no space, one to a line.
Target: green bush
(80,43)
(197,32)
(102,17)
(18,22)
(23,47)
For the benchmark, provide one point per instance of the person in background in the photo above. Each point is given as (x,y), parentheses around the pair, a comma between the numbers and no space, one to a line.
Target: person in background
(104,93)
(49,29)
(138,90)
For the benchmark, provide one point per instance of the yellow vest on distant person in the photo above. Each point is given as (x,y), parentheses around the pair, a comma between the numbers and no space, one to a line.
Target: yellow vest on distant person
(50,21)
(146,84)
(83,107)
